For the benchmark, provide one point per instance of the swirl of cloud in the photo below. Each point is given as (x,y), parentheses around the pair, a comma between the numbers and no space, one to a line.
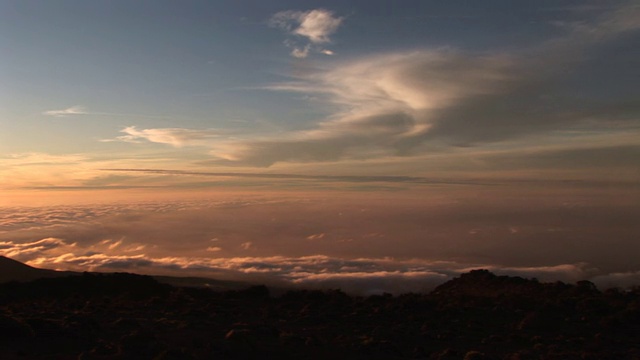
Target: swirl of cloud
(412,103)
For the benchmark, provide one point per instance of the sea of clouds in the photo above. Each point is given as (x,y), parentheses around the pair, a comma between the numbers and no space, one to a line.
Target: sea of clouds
(361,244)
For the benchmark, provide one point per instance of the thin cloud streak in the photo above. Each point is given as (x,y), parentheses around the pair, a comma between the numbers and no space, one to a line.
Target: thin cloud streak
(334,178)
(71,111)
(83,110)
(176,137)
(417,180)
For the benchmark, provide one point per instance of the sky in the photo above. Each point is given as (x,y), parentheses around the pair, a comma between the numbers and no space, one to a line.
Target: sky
(366,145)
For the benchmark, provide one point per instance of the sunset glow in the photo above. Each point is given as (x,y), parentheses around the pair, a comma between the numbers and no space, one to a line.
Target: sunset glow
(369,146)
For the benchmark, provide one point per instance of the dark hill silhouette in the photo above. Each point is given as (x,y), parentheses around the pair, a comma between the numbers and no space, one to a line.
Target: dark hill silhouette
(483,283)
(212,284)
(85,285)
(13,270)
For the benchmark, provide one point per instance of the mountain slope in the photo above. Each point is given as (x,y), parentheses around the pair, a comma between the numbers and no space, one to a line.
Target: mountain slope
(12,270)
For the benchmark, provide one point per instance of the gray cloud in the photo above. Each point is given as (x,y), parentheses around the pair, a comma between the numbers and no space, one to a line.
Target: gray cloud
(613,156)
(622,279)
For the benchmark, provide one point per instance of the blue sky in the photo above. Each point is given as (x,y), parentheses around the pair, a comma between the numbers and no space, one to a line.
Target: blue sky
(420,138)
(218,65)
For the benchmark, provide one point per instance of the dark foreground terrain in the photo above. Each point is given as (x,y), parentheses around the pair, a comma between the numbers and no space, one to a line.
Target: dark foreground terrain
(476,316)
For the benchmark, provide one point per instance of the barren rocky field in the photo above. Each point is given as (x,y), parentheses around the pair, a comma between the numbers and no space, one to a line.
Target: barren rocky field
(476,316)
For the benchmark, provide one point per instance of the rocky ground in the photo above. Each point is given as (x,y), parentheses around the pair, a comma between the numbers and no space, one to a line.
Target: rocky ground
(476,316)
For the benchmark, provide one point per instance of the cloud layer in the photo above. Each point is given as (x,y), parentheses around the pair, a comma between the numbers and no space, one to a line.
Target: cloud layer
(363,244)
(362,276)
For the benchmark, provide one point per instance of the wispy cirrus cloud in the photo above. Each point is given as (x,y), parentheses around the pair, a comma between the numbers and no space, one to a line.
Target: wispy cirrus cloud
(78,110)
(176,137)
(70,111)
(417,102)
(316,26)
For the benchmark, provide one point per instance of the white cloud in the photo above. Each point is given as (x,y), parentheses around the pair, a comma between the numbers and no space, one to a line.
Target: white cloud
(113,245)
(176,137)
(74,110)
(301,53)
(316,26)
